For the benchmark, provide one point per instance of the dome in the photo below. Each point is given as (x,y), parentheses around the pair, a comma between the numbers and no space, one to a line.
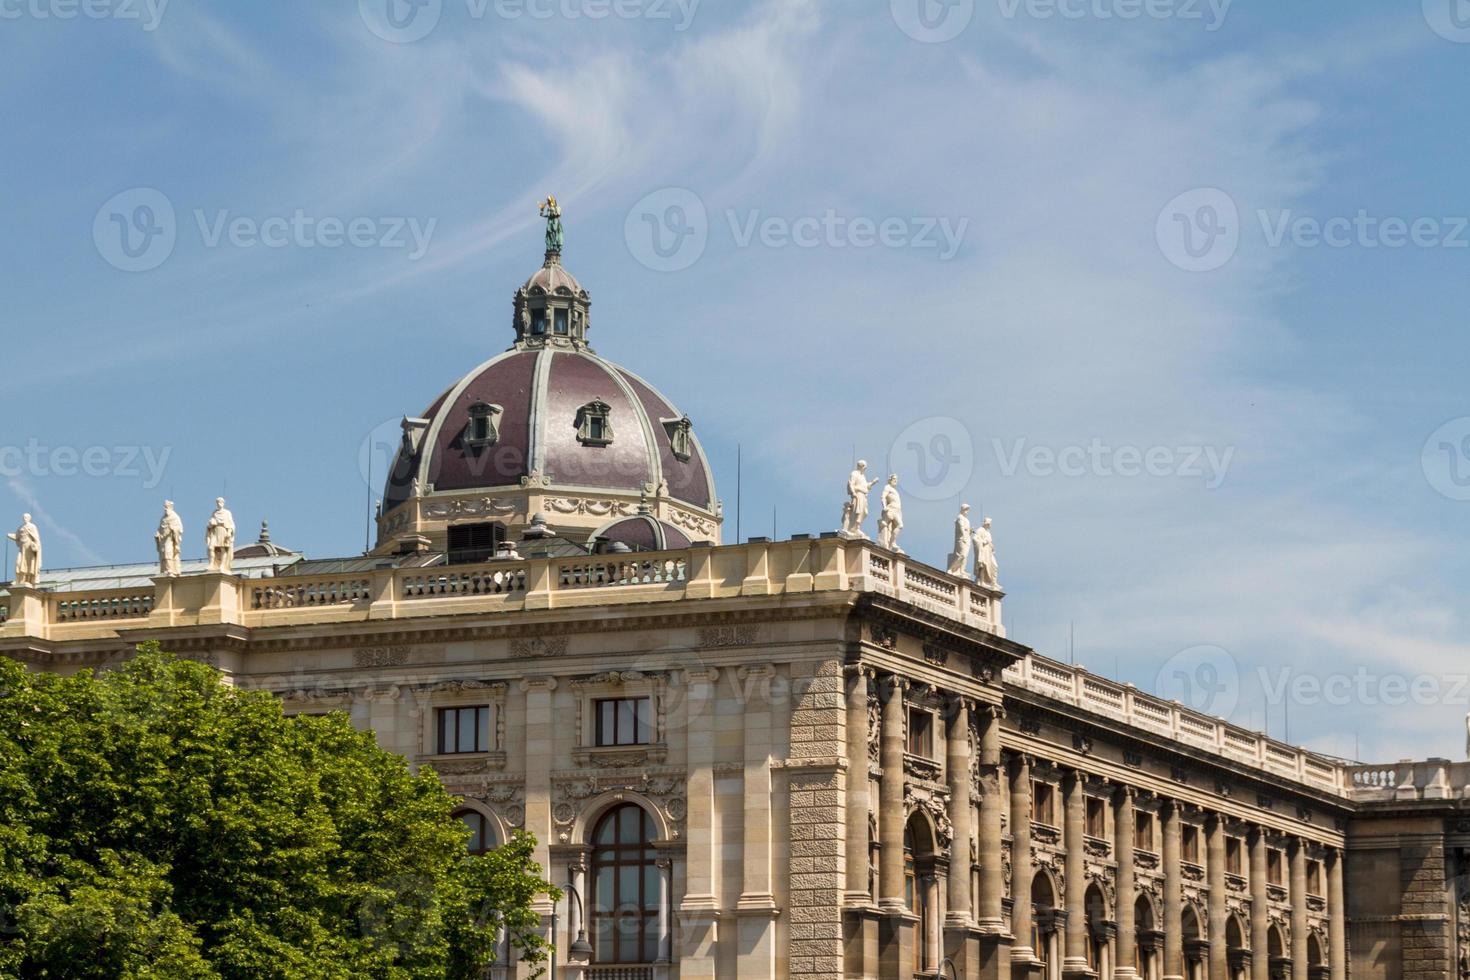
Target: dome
(548,427)
(641,533)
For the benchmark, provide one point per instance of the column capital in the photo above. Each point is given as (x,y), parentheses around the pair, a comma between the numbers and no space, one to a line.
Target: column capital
(701,675)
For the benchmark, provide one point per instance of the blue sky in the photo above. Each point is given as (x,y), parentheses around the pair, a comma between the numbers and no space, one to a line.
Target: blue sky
(1055,259)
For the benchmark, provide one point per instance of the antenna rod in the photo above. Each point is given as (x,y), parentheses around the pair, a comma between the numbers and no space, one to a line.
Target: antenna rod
(367,522)
(739,476)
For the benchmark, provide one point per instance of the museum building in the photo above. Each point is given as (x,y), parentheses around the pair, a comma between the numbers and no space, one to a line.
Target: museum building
(815,757)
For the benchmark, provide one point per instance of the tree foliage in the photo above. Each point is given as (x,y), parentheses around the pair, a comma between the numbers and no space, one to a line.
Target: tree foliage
(157,823)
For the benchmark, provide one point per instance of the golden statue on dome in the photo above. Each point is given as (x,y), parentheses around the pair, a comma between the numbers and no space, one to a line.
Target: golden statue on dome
(555,238)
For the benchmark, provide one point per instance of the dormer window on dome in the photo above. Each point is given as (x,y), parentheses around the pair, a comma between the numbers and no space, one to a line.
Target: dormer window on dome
(484,425)
(681,437)
(594,424)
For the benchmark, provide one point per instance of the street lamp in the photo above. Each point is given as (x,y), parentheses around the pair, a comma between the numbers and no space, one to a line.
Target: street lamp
(580,949)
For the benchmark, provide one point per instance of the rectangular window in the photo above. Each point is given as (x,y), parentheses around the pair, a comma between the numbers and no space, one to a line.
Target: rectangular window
(1233,863)
(561,322)
(1043,804)
(538,322)
(1097,818)
(921,733)
(625,721)
(1273,868)
(471,544)
(1314,878)
(1191,844)
(463,730)
(1143,831)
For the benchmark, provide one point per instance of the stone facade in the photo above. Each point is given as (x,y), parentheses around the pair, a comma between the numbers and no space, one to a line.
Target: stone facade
(850,770)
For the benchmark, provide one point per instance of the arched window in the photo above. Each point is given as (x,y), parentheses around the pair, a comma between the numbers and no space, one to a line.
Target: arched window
(482,832)
(921,889)
(1276,949)
(624,904)
(1044,933)
(1236,949)
(1149,939)
(1196,950)
(1096,906)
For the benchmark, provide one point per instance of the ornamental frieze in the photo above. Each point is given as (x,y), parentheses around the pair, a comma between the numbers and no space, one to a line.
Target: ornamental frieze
(715,637)
(666,790)
(537,647)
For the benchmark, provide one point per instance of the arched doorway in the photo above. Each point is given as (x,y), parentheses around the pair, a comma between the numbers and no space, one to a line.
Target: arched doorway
(1196,947)
(1276,950)
(921,890)
(1045,926)
(1237,953)
(1099,933)
(625,901)
(1150,940)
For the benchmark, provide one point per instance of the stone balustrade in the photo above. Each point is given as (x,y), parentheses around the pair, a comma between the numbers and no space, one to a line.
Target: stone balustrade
(1130,706)
(802,565)
(1410,781)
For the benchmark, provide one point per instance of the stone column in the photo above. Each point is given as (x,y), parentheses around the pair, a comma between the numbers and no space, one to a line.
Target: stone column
(665,930)
(1123,820)
(1260,902)
(957,771)
(1298,850)
(991,913)
(540,761)
(1215,875)
(1021,871)
(1337,921)
(1074,831)
(856,891)
(890,799)
(699,908)
(756,910)
(1173,893)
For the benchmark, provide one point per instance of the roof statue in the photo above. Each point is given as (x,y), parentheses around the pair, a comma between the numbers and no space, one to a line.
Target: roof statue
(170,541)
(555,237)
(27,553)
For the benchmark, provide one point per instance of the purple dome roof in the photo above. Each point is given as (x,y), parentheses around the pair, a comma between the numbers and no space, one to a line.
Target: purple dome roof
(539,399)
(642,533)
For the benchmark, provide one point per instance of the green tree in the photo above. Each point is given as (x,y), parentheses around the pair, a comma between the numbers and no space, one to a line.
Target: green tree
(158,823)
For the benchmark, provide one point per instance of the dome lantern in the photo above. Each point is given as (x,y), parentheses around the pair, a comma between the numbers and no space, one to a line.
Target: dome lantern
(552,309)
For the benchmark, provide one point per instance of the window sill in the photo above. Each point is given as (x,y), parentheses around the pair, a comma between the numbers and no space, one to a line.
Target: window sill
(464,763)
(617,756)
